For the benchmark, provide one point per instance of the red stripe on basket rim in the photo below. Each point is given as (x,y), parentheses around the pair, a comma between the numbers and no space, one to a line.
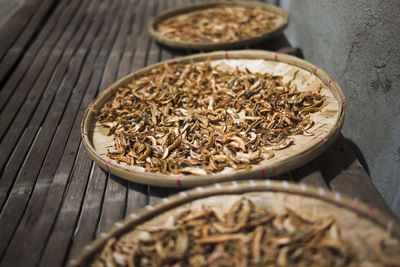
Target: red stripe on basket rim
(174,60)
(276,56)
(108,166)
(226,54)
(355,205)
(315,70)
(371,210)
(92,105)
(83,134)
(262,169)
(178,181)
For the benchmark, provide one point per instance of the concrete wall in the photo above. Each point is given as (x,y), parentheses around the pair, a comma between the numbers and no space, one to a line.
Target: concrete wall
(358,43)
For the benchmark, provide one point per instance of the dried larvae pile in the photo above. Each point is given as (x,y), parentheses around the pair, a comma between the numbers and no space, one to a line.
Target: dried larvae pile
(198,119)
(245,236)
(219,24)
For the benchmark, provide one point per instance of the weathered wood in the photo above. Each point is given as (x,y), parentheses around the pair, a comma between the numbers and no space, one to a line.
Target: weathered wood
(53,198)
(353,180)
(32,94)
(57,244)
(14,25)
(125,67)
(85,230)
(38,53)
(23,34)
(310,174)
(65,126)
(93,202)
(27,175)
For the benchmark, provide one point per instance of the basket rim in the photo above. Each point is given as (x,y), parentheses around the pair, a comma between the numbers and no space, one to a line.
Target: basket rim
(260,171)
(173,43)
(361,209)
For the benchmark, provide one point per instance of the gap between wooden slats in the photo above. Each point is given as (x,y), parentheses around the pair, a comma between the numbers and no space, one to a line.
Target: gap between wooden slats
(61,237)
(12,28)
(27,175)
(12,50)
(28,116)
(66,123)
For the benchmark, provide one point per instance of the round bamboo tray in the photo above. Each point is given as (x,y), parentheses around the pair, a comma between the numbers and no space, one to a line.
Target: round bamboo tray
(281,23)
(328,121)
(366,225)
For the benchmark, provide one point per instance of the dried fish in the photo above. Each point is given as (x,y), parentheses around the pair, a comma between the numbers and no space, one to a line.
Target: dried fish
(218,24)
(244,236)
(199,119)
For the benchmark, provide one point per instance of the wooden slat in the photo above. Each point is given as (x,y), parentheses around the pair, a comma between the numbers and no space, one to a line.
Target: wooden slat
(85,230)
(73,113)
(58,243)
(310,174)
(350,177)
(27,175)
(25,114)
(65,126)
(9,57)
(93,202)
(39,51)
(125,66)
(14,25)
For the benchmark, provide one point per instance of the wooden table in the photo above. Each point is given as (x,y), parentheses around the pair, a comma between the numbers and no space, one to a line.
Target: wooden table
(55,58)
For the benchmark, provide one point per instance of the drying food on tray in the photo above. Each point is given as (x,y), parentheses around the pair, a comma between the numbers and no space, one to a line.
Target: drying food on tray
(218,24)
(244,236)
(199,119)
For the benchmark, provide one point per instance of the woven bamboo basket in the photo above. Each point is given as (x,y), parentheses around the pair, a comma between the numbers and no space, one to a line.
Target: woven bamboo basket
(327,125)
(366,225)
(281,23)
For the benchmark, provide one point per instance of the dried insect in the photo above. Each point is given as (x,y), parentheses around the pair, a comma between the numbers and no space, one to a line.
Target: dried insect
(244,236)
(199,119)
(218,24)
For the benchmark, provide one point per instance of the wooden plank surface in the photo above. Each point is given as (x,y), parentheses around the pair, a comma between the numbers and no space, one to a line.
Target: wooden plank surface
(53,198)
(21,29)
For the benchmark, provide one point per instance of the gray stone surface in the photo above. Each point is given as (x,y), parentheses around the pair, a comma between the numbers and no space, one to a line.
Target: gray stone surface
(358,44)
